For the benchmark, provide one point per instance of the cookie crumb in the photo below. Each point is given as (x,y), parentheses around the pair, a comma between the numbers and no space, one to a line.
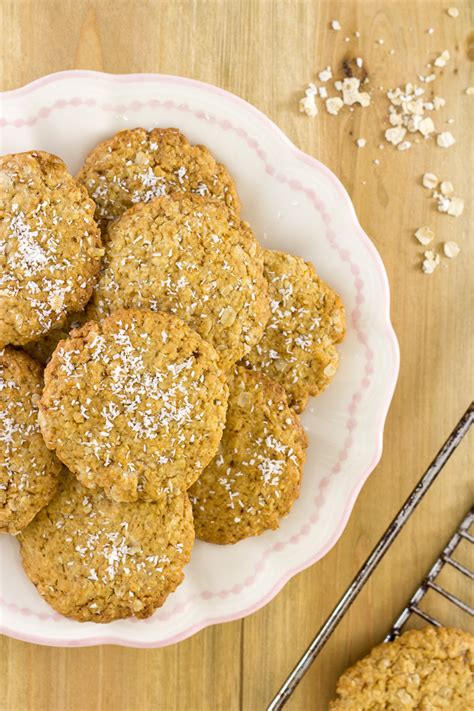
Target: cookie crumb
(445,139)
(361,142)
(453,12)
(335,25)
(424,235)
(359,62)
(470,91)
(451,249)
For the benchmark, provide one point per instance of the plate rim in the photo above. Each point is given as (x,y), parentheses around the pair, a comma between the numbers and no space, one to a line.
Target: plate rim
(386,327)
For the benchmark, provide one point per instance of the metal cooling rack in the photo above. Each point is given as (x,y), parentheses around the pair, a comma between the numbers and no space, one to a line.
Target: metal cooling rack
(429,582)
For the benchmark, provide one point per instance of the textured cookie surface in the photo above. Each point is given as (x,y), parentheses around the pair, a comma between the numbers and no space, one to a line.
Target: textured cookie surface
(189,256)
(43,349)
(137,166)
(255,477)
(427,669)
(134,404)
(307,320)
(50,246)
(29,472)
(95,559)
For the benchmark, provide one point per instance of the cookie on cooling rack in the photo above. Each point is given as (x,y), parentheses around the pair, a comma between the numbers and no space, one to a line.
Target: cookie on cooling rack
(134,404)
(423,669)
(29,472)
(189,256)
(138,165)
(298,347)
(96,560)
(255,477)
(50,246)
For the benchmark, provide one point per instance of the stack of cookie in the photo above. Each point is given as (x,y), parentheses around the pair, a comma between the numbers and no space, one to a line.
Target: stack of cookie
(178,355)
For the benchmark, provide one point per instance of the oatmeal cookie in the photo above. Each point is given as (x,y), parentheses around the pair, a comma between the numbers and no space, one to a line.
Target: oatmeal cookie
(97,560)
(50,246)
(189,256)
(298,348)
(255,477)
(138,165)
(134,404)
(423,669)
(29,472)
(43,349)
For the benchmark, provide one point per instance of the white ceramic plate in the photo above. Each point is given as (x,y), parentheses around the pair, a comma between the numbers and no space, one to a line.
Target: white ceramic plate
(295,204)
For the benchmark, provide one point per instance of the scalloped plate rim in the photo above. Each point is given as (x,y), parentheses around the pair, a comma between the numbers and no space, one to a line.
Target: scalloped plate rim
(384,407)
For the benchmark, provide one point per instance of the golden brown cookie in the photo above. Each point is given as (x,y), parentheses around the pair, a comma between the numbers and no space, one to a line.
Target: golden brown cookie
(138,165)
(134,404)
(96,560)
(307,319)
(29,472)
(43,349)
(423,669)
(50,246)
(189,256)
(255,477)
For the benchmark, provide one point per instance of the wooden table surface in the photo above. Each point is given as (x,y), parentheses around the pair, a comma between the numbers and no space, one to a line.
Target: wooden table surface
(266,51)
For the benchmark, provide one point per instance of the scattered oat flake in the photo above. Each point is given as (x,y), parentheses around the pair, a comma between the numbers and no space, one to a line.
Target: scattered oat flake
(308,105)
(404,146)
(361,142)
(453,12)
(426,126)
(325,74)
(336,25)
(456,207)
(395,135)
(424,235)
(430,262)
(351,94)
(443,59)
(334,105)
(446,188)
(445,139)
(451,249)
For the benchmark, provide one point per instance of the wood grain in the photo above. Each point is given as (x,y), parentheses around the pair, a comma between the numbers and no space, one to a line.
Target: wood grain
(266,51)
